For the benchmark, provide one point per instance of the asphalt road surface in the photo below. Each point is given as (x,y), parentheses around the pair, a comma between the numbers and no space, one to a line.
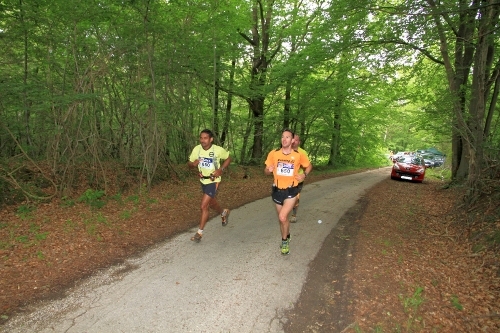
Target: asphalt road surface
(234,280)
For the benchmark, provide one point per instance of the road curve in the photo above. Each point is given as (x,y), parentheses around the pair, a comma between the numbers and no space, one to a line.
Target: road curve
(234,280)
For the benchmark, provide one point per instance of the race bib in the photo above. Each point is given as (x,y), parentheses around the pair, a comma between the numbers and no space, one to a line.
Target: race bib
(206,163)
(284,169)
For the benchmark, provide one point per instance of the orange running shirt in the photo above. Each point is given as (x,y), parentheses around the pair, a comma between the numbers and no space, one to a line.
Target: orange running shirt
(286,167)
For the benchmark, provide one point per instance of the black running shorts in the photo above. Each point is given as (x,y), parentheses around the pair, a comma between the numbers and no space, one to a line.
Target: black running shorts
(280,195)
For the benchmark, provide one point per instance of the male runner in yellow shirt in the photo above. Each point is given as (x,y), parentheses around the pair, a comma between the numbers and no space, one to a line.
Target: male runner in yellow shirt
(207,156)
(296,146)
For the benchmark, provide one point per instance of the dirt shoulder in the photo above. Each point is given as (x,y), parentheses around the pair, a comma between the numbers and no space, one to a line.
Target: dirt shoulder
(400,262)
(323,303)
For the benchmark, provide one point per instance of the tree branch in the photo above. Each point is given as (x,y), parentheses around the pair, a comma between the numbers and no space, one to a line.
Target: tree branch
(412,46)
(246,37)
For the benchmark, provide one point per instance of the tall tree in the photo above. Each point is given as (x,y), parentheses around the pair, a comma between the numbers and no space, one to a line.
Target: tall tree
(263,53)
(462,36)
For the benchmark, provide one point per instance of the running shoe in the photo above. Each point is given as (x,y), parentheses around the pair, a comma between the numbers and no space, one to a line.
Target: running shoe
(285,247)
(225,217)
(293,218)
(197,237)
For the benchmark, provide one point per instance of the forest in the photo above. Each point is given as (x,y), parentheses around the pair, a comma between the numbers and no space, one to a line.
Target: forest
(130,83)
(101,103)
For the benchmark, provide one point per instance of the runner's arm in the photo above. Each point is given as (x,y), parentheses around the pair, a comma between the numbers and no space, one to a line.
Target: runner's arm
(269,164)
(302,176)
(194,163)
(218,172)
(308,169)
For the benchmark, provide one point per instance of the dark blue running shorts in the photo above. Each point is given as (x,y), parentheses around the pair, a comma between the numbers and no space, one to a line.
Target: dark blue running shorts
(210,189)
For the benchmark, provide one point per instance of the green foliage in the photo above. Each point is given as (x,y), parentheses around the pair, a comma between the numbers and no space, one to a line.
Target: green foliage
(93,224)
(351,99)
(117,197)
(456,303)
(40,255)
(411,306)
(90,226)
(102,219)
(440,173)
(494,238)
(69,226)
(67,202)
(134,198)
(125,215)
(34,228)
(93,198)
(24,239)
(25,212)
(412,303)
(35,236)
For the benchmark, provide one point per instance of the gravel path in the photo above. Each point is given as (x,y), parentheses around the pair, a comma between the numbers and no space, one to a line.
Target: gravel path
(235,279)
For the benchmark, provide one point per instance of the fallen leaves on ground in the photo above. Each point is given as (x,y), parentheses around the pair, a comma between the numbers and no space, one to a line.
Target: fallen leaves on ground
(414,269)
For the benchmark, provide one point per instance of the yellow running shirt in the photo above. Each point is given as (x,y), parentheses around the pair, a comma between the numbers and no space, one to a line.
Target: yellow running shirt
(302,151)
(209,160)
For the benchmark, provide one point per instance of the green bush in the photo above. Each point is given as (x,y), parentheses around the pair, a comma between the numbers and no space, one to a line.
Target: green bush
(93,198)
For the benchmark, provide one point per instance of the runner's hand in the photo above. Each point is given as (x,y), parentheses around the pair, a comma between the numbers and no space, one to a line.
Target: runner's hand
(300,177)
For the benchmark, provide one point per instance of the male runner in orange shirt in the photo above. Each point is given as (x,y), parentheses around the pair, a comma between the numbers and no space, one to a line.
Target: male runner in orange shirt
(284,164)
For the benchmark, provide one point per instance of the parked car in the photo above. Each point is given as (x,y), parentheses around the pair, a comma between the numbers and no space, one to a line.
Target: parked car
(399,154)
(429,160)
(409,167)
(438,160)
(439,157)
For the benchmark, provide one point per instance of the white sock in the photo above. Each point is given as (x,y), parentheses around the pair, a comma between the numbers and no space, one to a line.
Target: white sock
(200,231)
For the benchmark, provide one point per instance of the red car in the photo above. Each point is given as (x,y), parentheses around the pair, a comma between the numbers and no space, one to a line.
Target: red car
(409,167)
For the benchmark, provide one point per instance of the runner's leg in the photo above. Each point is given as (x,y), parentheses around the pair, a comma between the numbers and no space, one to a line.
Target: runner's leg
(293,218)
(214,204)
(283,211)
(205,203)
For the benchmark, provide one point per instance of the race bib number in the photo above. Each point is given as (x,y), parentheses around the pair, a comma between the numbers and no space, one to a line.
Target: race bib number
(206,163)
(284,169)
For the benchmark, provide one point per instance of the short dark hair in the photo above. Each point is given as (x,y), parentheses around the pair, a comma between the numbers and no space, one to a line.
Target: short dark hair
(209,132)
(288,130)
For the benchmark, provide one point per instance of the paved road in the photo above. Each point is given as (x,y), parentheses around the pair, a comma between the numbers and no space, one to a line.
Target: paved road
(234,280)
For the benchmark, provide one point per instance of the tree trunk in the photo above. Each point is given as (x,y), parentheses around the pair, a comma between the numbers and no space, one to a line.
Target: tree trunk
(287,108)
(261,19)
(229,104)
(257,107)
(335,142)
(477,104)
(492,107)
(215,106)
